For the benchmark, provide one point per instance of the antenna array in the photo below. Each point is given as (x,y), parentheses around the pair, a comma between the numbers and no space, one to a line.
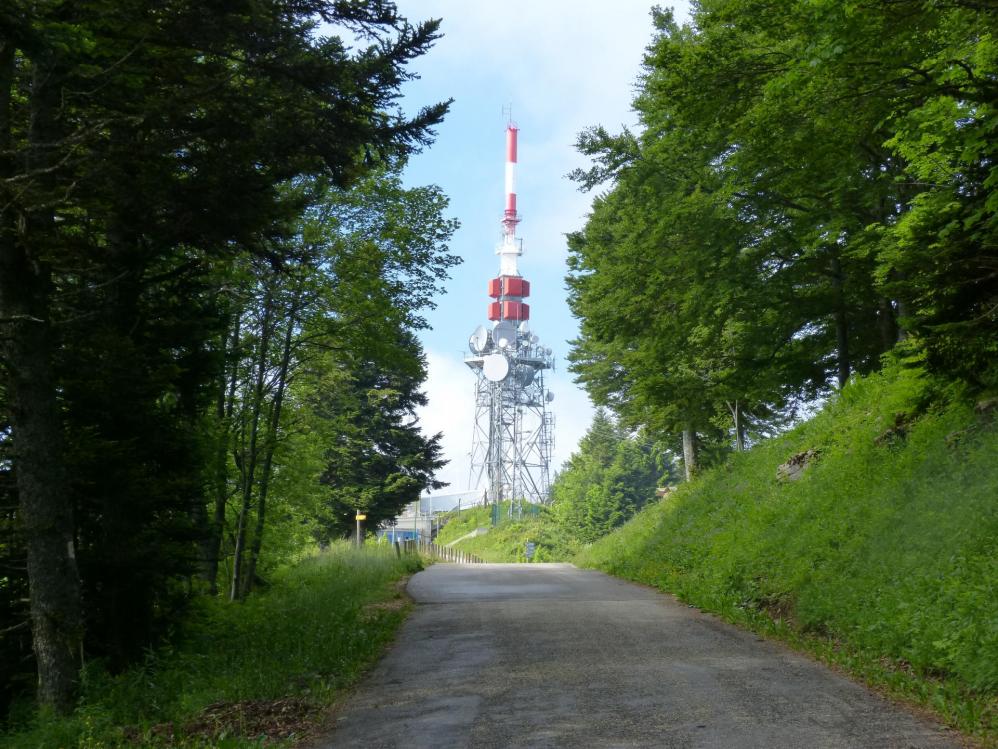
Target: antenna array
(513,437)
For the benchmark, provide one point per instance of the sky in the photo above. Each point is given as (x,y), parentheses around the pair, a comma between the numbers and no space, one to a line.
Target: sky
(562,66)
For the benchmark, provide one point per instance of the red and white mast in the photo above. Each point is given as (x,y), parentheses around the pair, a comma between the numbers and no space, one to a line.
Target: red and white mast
(509,250)
(509,289)
(514,431)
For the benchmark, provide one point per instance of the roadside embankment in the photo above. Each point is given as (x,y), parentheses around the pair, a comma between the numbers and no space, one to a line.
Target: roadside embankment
(507,541)
(876,548)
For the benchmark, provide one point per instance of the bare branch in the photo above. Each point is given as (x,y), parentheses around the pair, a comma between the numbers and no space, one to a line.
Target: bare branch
(22,625)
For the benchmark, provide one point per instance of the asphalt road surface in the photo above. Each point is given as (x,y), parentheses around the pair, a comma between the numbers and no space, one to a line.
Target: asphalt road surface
(549,655)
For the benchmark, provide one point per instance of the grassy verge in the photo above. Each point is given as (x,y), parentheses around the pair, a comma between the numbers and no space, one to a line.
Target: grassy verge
(507,542)
(881,559)
(461,522)
(244,675)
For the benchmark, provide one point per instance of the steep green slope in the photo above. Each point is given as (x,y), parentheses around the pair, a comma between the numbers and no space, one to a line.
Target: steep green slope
(883,556)
(461,522)
(507,542)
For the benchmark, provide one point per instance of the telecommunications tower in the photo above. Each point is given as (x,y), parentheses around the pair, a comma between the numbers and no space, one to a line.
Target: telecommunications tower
(513,434)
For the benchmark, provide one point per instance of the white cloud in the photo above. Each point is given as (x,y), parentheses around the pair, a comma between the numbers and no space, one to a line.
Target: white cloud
(450,392)
(555,58)
(573,413)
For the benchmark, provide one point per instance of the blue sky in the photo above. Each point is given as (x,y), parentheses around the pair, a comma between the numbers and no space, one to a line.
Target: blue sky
(563,66)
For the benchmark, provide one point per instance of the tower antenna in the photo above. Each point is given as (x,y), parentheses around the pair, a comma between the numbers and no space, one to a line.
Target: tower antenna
(513,435)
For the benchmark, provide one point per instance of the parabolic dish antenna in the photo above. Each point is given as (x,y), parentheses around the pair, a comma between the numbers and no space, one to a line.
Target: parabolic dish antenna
(524,327)
(504,331)
(479,340)
(549,397)
(495,367)
(525,375)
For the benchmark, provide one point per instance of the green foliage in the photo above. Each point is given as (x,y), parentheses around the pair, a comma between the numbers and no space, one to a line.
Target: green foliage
(177,239)
(810,181)
(388,256)
(315,409)
(507,541)
(461,522)
(377,459)
(945,132)
(881,557)
(609,478)
(311,635)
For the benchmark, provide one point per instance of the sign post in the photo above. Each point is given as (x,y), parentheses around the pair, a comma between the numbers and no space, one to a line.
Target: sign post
(530,550)
(360,538)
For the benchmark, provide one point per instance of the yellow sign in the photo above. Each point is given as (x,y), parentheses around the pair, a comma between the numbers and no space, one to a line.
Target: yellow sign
(361,517)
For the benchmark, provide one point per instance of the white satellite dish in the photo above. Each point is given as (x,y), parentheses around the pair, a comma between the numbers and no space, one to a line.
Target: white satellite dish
(524,327)
(504,330)
(534,339)
(549,397)
(495,367)
(479,340)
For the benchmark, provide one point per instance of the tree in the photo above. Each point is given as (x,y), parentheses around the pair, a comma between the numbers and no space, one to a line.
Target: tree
(378,461)
(329,330)
(141,148)
(941,253)
(604,483)
(782,217)
(677,323)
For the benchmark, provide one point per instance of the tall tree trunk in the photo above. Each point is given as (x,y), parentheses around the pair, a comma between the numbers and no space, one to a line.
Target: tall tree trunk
(736,416)
(42,484)
(690,452)
(841,321)
(224,401)
(45,504)
(903,309)
(270,444)
(250,460)
(902,314)
(886,324)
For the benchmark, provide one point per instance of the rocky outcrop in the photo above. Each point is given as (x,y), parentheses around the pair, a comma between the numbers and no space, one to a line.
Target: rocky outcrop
(794,468)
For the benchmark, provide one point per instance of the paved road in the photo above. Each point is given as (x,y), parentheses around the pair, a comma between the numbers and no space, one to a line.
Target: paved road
(554,656)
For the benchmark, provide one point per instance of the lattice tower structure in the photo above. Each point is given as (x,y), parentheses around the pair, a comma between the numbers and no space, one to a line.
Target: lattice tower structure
(513,435)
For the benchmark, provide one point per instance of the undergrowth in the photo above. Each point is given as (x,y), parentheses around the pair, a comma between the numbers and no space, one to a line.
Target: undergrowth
(238,670)
(507,541)
(882,557)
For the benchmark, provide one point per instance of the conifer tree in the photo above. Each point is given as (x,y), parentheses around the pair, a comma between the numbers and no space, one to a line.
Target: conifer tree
(141,150)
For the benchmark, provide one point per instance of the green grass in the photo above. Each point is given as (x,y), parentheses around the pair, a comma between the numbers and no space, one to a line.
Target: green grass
(460,522)
(312,634)
(882,558)
(507,542)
